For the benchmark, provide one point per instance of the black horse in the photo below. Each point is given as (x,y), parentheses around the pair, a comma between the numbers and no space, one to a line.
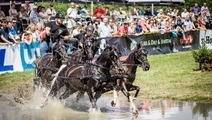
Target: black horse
(49,64)
(125,82)
(93,75)
(83,53)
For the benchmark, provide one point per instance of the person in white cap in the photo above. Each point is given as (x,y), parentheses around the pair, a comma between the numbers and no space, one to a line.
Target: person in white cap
(34,18)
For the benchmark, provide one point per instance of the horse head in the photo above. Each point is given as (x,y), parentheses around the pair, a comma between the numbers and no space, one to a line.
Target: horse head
(60,49)
(141,57)
(88,49)
(113,58)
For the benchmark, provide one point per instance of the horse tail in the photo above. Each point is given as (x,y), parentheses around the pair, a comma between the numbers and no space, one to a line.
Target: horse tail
(56,74)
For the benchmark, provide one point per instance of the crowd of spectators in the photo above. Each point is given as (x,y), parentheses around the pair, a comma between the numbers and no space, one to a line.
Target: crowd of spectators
(107,22)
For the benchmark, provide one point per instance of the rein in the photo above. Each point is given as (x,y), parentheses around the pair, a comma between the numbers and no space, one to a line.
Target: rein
(97,65)
(132,64)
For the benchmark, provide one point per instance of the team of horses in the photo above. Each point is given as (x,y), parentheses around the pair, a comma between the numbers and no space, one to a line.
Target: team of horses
(77,73)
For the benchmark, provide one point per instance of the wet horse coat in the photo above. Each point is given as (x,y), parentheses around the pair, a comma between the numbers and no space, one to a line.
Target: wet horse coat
(91,74)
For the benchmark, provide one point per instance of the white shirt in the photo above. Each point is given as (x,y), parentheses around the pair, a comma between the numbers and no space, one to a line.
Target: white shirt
(104,30)
(184,14)
(49,11)
(41,14)
(72,12)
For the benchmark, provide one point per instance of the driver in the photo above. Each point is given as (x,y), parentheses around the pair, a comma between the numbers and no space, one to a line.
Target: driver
(54,31)
(88,34)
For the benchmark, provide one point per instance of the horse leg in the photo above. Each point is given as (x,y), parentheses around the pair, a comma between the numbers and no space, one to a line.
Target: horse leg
(133,87)
(91,97)
(130,99)
(79,96)
(125,91)
(67,92)
(115,97)
(53,92)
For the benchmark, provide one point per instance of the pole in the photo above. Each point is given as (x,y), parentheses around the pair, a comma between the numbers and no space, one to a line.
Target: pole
(91,8)
(152,8)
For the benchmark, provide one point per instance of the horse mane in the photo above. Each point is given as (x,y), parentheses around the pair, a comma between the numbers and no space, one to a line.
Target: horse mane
(130,57)
(102,56)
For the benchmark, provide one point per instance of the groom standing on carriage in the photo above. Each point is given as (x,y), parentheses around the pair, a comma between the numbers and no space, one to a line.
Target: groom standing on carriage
(54,30)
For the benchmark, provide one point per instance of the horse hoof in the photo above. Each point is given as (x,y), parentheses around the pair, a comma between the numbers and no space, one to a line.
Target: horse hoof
(135,112)
(113,104)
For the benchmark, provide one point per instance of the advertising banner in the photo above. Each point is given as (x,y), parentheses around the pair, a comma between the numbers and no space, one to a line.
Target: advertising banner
(206,35)
(29,53)
(157,43)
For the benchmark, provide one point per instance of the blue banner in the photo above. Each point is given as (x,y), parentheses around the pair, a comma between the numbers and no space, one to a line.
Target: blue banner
(28,54)
(4,67)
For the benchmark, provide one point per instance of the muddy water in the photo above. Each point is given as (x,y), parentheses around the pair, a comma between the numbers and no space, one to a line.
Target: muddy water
(70,110)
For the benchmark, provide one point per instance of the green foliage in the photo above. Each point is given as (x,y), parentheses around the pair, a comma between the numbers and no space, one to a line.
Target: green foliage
(203,54)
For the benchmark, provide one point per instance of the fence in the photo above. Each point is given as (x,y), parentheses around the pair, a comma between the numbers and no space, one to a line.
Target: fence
(19,58)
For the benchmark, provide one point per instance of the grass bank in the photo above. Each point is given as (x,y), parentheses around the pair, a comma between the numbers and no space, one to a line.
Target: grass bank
(171,76)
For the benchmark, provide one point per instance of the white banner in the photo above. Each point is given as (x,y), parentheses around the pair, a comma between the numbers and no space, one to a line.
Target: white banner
(207,36)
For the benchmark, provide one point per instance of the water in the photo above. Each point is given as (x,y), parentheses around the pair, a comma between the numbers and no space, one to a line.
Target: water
(70,110)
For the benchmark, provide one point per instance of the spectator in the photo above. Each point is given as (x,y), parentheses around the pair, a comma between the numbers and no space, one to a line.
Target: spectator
(22,14)
(203,8)
(12,11)
(104,31)
(2,15)
(99,12)
(4,33)
(122,12)
(153,28)
(32,29)
(134,12)
(184,13)
(179,22)
(201,22)
(77,29)
(188,24)
(35,39)
(114,14)
(7,34)
(143,23)
(72,15)
(139,12)
(107,11)
(84,10)
(27,38)
(40,32)
(131,28)
(196,9)
(51,11)
(34,18)
(148,12)
(138,28)
(113,27)
(14,30)
(43,15)
(155,12)
(27,6)
(123,30)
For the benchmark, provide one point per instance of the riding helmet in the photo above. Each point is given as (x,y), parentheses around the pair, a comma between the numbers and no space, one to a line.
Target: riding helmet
(90,28)
(60,15)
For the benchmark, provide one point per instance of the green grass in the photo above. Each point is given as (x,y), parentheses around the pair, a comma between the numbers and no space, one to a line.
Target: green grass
(171,76)
(9,80)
